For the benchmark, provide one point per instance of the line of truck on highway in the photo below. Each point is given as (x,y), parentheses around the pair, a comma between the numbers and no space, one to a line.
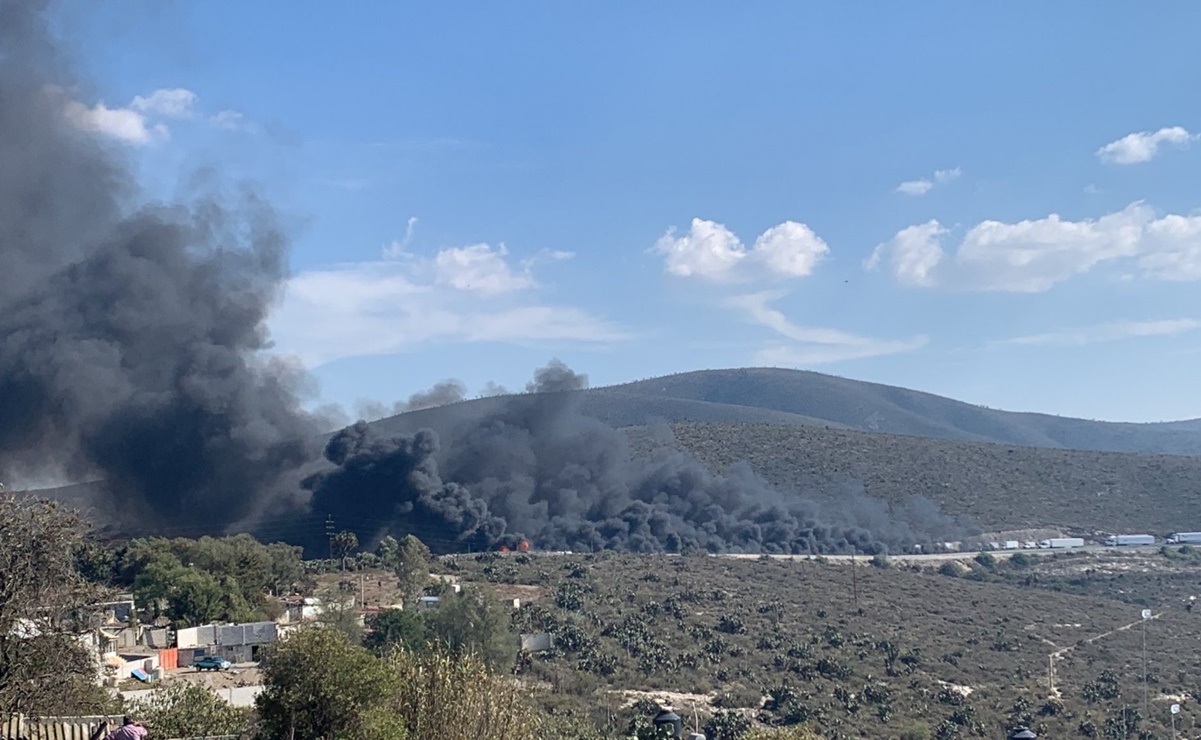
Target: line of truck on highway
(1063,543)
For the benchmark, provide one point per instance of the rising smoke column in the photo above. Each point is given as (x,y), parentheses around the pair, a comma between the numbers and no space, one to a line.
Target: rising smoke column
(129,332)
(538,469)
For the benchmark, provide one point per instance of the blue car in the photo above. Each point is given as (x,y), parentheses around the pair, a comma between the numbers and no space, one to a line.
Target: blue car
(212,663)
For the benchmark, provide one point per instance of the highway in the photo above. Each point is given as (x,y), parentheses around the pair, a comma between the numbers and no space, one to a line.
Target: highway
(938,557)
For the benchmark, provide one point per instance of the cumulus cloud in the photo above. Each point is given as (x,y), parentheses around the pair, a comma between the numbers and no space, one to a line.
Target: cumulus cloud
(914,252)
(123,124)
(1108,332)
(468,294)
(924,185)
(479,268)
(1143,146)
(1034,255)
(812,345)
(136,123)
(711,251)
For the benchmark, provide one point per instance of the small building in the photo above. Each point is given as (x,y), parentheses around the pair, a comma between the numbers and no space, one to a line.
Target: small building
(427,603)
(237,643)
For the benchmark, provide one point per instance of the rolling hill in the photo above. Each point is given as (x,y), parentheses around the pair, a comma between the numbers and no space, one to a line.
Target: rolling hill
(803,430)
(802,398)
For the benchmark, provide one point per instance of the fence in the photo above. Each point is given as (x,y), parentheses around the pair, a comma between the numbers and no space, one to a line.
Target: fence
(20,727)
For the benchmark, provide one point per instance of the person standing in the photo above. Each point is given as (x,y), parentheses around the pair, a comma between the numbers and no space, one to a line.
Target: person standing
(129,730)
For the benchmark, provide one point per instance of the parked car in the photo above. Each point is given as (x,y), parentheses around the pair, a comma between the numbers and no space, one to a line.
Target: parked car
(212,663)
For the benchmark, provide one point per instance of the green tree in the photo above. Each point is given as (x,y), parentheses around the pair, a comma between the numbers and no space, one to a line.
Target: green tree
(395,628)
(345,542)
(195,597)
(388,552)
(338,612)
(475,622)
(155,577)
(247,569)
(318,684)
(412,567)
(182,709)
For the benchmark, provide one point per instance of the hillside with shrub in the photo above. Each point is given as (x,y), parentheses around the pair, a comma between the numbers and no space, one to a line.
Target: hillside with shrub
(877,650)
(1000,486)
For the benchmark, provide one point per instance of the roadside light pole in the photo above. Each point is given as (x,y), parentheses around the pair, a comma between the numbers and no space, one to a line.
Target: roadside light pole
(1146,707)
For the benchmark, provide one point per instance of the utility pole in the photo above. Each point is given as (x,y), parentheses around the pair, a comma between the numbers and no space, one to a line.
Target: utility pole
(329,532)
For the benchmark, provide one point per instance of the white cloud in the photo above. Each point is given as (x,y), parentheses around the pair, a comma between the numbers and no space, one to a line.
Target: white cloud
(1143,145)
(118,123)
(812,345)
(915,187)
(711,251)
(924,185)
(1108,332)
(915,251)
(479,268)
(469,294)
(135,123)
(399,247)
(1032,256)
(174,103)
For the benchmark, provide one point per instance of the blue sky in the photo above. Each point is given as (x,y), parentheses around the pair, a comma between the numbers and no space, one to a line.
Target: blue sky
(994,202)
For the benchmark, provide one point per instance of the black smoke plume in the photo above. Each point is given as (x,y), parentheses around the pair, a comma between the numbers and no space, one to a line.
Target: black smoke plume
(130,331)
(441,393)
(539,470)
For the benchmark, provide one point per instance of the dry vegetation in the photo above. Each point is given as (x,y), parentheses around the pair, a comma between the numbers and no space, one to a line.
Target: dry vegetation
(925,654)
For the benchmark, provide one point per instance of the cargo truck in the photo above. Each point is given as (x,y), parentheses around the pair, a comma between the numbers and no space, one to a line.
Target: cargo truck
(1130,540)
(1061,542)
(1192,538)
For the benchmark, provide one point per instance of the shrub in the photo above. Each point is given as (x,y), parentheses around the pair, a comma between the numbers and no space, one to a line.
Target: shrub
(182,709)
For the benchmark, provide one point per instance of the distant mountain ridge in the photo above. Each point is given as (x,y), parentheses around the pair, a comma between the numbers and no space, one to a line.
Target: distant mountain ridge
(804,398)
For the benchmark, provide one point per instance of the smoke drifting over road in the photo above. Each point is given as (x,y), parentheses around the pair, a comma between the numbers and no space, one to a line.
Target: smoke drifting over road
(129,332)
(538,469)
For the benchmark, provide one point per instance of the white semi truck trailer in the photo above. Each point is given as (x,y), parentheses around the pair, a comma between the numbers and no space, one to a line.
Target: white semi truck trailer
(1185,538)
(1130,540)
(1057,543)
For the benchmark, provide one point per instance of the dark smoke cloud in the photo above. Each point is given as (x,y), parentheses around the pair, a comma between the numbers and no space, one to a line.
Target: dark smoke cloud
(538,469)
(129,332)
(556,377)
(131,338)
(442,393)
